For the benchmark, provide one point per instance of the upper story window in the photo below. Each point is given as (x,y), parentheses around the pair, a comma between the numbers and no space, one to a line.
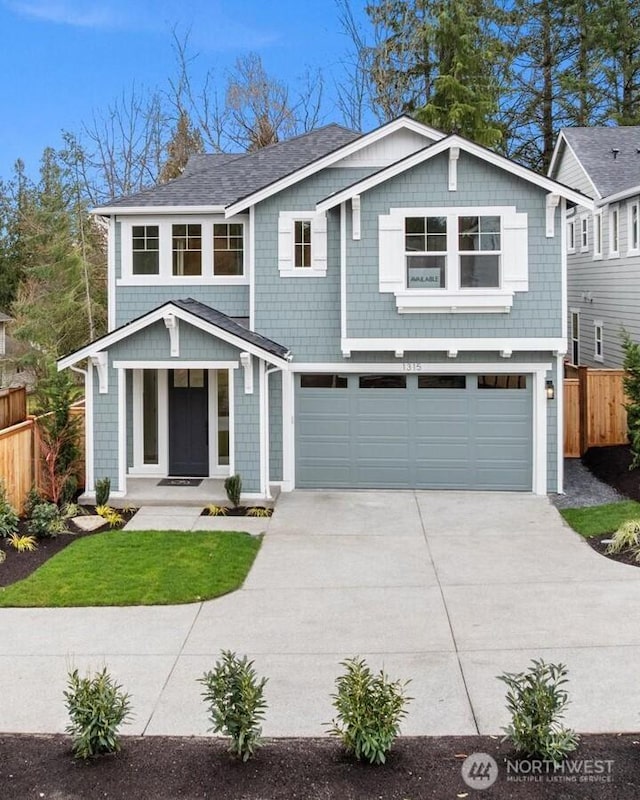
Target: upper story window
(614,232)
(145,245)
(196,250)
(571,236)
(597,234)
(228,249)
(458,258)
(186,248)
(633,228)
(302,244)
(584,234)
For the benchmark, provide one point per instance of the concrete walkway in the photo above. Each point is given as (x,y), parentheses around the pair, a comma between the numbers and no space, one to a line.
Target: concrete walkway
(448,589)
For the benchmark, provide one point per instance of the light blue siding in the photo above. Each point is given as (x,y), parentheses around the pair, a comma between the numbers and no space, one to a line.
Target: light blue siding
(134,301)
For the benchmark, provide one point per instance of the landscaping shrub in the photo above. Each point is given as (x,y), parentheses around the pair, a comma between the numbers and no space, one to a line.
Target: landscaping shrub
(46,520)
(103,490)
(8,516)
(536,703)
(370,708)
(631,383)
(97,707)
(33,499)
(235,696)
(627,537)
(110,515)
(23,543)
(233,488)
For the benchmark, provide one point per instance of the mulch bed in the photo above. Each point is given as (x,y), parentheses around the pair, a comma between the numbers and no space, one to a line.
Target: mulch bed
(599,544)
(611,465)
(167,768)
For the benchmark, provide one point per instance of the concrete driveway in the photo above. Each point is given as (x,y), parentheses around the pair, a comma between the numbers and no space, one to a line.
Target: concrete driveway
(447,589)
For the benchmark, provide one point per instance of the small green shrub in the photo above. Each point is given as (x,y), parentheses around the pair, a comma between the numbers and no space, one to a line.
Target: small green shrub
(103,490)
(110,515)
(627,536)
(536,703)
(33,499)
(8,516)
(233,488)
(370,708)
(235,696)
(23,543)
(70,510)
(46,520)
(97,707)
(259,511)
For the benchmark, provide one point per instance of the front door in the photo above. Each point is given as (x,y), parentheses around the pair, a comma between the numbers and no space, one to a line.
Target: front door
(188,423)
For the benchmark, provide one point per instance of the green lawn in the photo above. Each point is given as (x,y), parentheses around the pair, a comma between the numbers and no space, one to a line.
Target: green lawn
(130,568)
(601,519)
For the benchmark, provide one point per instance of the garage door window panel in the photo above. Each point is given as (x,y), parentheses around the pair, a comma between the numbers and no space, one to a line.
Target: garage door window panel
(442,382)
(322,381)
(382,382)
(502,381)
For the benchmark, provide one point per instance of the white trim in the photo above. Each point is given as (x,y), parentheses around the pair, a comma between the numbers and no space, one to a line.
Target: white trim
(251,268)
(203,364)
(556,344)
(172,324)
(584,248)
(264,428)
(183,280)
(287,244)
(89,453)
(343,270)
(564,270)
(122,431)
(111,274)
(551,204)
(139,467)
(571,338)
(409,367)
(288,431)
(539,483)
(562,139)
(212,422)
(560,423)
(334,157)
(598,324)
(247,366)
(232,422)
(631,250)
(454,155)
(436,149)
(154,316)
(355,218)
(163,210)
(622,195)
(571,226)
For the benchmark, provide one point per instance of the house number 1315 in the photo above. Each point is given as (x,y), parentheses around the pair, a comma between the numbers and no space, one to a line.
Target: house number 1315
(412,367)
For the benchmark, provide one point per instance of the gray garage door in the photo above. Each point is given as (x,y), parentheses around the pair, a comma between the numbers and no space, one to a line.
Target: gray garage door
(414,431)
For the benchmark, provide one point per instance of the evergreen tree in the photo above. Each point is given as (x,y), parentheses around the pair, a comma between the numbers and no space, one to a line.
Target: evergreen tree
(621,33)
(185,141)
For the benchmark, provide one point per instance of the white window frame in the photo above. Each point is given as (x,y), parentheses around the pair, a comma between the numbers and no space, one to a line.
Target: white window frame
(286,244)
(597,235)
(571,235)
(584,233)
(455,298)
(165,277)
(614,232)
(574,341)
(598,344)
(633,249)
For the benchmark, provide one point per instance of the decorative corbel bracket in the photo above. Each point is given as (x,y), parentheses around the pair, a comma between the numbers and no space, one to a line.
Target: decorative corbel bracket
(101,362)
(355,217)
(506,353)
(452,353)
(454,155)
(247,366)
(399,353)
(172,324)
(552,204)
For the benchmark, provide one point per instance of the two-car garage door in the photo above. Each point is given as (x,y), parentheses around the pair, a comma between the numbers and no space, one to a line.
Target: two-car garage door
(418,431)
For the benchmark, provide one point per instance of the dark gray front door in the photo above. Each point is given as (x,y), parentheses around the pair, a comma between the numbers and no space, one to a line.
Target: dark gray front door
(188,422)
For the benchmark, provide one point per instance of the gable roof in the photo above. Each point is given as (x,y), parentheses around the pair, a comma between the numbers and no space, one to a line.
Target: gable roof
(191,311)
(453,141)
(593,148)
(220,179)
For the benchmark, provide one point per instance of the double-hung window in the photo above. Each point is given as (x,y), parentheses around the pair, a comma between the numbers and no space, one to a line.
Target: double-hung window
(571,236)
(145,250)
(584,234)
(426,248)
(302,244)
(186,248)
(614,232)
(479,248)
(228,249)
(633,228)
(597,234)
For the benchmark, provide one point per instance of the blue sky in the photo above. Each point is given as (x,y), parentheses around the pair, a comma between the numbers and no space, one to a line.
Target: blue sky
(61,60)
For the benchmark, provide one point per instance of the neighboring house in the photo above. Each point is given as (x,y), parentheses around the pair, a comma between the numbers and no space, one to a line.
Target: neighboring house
(602,243)
(336,310)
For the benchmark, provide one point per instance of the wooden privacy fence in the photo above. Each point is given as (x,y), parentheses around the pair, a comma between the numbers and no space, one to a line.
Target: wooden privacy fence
(20,467)
(594,412)
(13,406)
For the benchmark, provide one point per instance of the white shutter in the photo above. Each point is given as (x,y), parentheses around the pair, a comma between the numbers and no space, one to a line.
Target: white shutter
(285,242)
(319,242)
(515,253)
(391,263)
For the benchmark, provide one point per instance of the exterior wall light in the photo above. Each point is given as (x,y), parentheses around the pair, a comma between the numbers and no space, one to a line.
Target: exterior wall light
(550,390)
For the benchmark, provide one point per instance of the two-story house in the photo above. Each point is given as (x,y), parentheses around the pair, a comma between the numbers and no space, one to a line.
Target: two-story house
(336,310)
(603,243)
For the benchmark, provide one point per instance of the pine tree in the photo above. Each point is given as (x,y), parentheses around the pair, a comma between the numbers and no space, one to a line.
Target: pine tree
(185,141)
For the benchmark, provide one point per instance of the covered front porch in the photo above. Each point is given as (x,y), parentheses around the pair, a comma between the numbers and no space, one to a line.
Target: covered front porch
(151,492)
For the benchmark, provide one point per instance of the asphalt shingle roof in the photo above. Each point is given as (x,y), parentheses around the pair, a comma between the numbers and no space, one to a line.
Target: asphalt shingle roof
(215,317)
(221,179)
(594,148)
